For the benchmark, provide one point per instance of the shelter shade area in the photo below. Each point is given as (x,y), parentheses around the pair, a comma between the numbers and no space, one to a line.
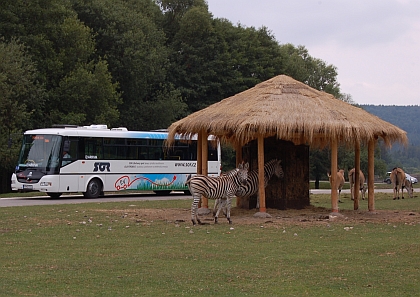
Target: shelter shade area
(282,118)
(290,191)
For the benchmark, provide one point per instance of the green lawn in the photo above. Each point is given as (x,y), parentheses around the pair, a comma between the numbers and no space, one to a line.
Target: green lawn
(114,249)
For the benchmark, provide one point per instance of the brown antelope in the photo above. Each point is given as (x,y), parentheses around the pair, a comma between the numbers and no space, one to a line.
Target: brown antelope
(339,182)
(353,184)
(398,180)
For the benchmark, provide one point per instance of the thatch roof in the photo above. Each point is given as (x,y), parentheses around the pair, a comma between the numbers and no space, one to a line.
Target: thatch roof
(289,110)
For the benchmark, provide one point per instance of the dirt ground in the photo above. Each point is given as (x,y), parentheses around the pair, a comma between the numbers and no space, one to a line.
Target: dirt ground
(308,216)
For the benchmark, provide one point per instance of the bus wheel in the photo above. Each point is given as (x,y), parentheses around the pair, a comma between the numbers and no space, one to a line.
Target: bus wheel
(163,193)
(54,195)
(187,192)
(94,189)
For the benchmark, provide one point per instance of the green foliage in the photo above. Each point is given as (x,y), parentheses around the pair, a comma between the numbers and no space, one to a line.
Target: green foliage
(62,48)
(20,93)
(128,35)
(160,112)
(314,72)
(82,91)
(21,99)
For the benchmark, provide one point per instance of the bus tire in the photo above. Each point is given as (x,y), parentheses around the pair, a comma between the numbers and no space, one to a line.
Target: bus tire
(94,189)
(187,192)
(54,195)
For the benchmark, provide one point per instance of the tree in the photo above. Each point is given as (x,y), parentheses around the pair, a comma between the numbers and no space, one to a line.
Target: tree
(21,98)
(212,59)
(309,70)
(318,165)
(60,45)
(82,91)
(128,35)
(173,11)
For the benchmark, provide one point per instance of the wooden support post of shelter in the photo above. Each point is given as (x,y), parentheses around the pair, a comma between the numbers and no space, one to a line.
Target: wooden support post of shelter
(199,158)
(261,188)
(371,174)
(199,154)
(204,163)
(238,151)
(334,166)
(356,185)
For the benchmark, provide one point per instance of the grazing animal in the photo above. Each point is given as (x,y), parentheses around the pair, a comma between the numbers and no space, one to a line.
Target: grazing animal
(353,184)
(272,167)
(221,187)
(339,182)
(398,180)
(408,185)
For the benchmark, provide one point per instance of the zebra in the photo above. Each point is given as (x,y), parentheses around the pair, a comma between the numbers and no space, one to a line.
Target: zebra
(251,187)
(221,187)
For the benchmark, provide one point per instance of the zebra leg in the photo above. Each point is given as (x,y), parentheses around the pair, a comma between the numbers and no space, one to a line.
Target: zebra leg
(194,210)
(219,207)
(228,206)
(223,207)
(216,204)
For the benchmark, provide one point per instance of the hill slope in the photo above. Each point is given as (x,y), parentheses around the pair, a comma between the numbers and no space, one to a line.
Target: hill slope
(405,117)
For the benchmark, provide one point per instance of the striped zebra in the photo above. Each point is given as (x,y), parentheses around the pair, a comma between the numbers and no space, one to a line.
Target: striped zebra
(221,187)
(251,187)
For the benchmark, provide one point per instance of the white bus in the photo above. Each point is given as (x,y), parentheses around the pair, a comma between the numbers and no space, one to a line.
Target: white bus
(94,159)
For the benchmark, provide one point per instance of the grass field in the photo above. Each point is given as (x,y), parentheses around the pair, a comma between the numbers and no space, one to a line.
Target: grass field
(126,249)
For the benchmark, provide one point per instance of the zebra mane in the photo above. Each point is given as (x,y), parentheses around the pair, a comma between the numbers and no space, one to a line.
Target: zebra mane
(270,168)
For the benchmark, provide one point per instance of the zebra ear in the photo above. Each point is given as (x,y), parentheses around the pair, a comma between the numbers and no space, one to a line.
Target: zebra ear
(246,166)
(241,166)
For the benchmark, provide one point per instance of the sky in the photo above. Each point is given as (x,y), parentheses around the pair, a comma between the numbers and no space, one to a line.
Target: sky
(375,44)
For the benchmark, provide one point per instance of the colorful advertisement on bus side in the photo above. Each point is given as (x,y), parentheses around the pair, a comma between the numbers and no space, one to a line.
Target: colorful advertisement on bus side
(152,182)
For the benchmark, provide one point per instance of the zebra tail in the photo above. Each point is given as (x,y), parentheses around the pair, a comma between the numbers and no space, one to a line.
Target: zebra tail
(188,179)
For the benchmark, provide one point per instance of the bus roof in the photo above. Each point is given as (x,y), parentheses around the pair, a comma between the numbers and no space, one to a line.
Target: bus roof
(102,131)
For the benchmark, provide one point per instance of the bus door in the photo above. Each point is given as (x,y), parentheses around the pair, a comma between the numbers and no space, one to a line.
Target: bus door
(69,165)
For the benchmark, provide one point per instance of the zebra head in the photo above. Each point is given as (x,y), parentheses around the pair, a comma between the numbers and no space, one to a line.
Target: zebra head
(278,171)
(242,173)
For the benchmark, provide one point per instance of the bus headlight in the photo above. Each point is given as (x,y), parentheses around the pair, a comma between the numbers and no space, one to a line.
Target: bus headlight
(46,184)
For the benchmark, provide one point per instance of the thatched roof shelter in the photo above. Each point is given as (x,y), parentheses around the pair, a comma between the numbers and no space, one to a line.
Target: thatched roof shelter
(289,110)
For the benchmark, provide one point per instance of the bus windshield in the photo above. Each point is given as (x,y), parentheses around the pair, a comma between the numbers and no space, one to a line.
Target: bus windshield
(41,151)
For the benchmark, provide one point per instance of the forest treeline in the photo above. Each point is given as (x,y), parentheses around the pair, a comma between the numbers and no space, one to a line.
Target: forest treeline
(408,119)
(140,64)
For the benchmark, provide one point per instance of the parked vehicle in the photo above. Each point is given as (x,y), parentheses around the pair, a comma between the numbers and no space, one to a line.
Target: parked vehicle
(412,178)
(407,176)
(388,177)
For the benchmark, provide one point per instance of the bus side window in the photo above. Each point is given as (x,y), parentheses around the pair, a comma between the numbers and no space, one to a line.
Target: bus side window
(70,151)
(93,148)
(74,149)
